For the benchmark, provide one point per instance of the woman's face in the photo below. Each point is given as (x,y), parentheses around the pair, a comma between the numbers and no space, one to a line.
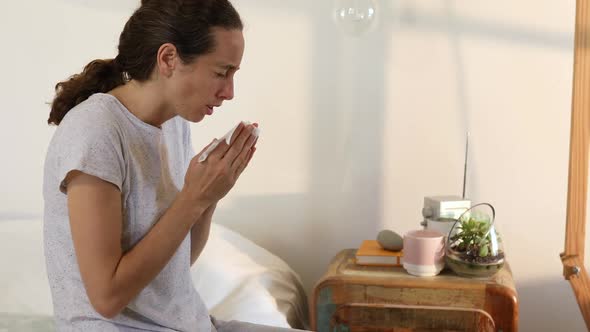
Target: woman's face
(196,88)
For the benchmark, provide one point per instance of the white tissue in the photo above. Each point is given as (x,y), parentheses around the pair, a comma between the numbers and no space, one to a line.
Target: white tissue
(227,138)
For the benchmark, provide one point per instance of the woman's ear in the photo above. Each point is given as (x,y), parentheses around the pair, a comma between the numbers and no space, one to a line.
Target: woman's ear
(167,58)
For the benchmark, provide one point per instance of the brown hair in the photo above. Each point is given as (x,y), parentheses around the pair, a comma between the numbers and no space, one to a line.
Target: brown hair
(184,23)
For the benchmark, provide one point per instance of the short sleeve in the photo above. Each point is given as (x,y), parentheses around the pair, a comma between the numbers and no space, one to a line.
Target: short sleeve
(90,142)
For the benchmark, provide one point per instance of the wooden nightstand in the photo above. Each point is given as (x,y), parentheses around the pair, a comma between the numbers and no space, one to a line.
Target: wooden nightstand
(351,297)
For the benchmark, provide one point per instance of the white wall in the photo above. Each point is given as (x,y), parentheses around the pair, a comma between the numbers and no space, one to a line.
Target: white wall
(356,131)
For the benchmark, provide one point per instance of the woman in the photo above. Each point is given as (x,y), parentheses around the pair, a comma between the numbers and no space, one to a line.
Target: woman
(127,207)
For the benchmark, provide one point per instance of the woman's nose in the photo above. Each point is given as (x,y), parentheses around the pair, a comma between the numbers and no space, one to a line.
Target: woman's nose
(227,92)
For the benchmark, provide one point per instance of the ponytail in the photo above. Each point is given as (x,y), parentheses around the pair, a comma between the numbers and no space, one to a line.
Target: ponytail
(98,76)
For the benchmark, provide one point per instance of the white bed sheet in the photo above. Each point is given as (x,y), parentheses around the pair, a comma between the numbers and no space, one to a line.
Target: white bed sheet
(236,278)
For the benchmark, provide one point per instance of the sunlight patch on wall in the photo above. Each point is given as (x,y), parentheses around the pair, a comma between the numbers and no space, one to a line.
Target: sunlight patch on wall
(270,92)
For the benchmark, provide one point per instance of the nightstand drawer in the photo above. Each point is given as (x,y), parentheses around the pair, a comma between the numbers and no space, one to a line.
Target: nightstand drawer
(357,317)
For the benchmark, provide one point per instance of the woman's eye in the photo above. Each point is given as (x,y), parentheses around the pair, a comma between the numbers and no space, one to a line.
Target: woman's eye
(220,74)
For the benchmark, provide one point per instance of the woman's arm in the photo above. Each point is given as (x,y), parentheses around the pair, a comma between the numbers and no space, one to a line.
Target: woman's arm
(113,278)
(201,229)
(200,233)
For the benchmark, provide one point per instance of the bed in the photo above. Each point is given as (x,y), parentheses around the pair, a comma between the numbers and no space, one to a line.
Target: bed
(237,279)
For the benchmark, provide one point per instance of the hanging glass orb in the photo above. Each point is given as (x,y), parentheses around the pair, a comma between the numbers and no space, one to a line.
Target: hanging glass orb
(355,16)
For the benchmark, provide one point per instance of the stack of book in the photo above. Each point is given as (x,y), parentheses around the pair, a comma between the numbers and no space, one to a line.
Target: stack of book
(371,253)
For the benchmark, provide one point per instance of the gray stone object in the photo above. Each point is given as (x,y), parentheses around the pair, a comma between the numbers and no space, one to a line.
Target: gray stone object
(390,240)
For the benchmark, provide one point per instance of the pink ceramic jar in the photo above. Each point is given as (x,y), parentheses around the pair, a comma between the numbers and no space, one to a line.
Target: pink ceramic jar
(424,252)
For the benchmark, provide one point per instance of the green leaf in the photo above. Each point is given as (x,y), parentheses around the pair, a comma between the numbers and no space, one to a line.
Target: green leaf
(483,251)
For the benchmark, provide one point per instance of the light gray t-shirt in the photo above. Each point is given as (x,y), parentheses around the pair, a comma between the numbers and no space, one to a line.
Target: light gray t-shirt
(102,138)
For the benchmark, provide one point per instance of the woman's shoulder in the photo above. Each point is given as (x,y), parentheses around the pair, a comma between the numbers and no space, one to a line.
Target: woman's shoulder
(91,120)
(94,111)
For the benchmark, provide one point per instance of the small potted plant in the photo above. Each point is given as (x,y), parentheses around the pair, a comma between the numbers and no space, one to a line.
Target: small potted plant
(474,248)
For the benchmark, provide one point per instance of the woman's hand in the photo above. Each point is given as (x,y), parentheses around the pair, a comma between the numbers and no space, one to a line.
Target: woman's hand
(211,180)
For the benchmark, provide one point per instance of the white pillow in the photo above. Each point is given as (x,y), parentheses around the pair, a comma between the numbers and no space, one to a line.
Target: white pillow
(239,280)
(236,278)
